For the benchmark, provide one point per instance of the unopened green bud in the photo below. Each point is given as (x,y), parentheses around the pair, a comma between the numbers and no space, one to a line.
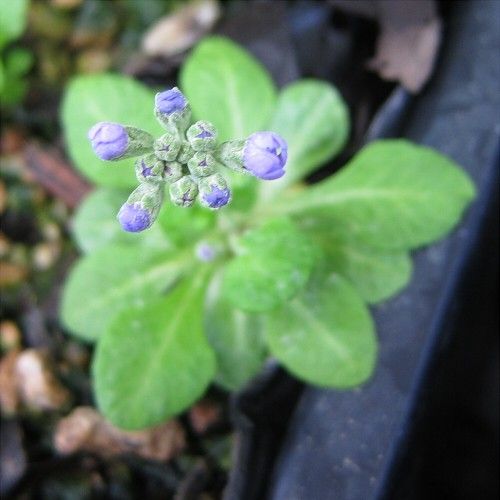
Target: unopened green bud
(184,191)
(167,147)
(202,164)
(172,172)
(149,168)
(185,152)
(202,136)
(230,154)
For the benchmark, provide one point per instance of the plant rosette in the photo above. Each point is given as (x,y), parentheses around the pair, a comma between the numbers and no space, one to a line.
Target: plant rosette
(237,267)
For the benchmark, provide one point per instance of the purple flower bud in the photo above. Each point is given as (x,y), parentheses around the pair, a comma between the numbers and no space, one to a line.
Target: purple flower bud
(134,218)
(216,197)
(206,252)
(109,140)
(265,155)
(142,207)
(214,192)
(170,101)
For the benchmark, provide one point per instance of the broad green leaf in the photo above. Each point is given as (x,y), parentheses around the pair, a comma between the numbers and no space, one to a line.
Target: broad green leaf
(273,264)
(393,195)
(376,274)
(235,336)
(106,97)
(313,118)
(184,226)
(228,87)
(325,335)
(154,362)
(95,224)
(114,278)
(13,16)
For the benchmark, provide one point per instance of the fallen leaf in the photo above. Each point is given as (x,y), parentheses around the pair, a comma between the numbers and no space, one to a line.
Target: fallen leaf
(9,395)
(180,30)
(84,429)
(56,176)
(3,197)
(11,273)
(203,415)
(410,34)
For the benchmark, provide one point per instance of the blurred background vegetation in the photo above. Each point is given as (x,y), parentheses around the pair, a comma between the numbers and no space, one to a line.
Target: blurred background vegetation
(53,444)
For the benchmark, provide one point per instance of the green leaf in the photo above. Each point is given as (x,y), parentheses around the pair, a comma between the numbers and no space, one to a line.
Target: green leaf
(235,336)
(13,90)
(376,274)
(13,16)
(274,263)
(18,61)
(13,85)
(313,118)
(184,226)
(95,224)
(325,335)
(154,362)
(228,87)
(114,278)
(393,195)
(113,98)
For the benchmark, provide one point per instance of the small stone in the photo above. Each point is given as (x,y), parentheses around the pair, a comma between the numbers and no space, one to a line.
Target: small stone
(45,255)
(10,335)
(5,246)
(38,386)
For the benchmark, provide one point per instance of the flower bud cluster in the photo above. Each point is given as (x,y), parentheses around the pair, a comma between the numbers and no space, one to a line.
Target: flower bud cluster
(186,159)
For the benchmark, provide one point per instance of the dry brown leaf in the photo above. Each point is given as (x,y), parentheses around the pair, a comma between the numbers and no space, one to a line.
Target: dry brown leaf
(9,395)
(11,273)
(84,429)
(410,34)
(3,197)
(203,415)
(180,30)
(55,175)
